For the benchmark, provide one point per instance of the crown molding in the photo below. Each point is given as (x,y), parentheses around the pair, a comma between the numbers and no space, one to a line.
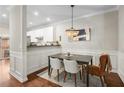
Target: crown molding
(90,15)
(76,18)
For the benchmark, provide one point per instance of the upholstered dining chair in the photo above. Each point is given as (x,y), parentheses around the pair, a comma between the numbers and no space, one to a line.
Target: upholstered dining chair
(71,67)
(56,64)
(100,70)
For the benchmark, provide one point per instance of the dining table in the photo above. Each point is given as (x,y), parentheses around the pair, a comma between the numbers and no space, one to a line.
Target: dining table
(81,59)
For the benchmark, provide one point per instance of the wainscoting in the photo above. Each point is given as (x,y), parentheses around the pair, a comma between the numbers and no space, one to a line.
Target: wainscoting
(120,65)
(37,58)
(18,65)
(96,54)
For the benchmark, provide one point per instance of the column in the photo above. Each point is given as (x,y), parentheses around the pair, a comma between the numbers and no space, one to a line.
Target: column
(18,49)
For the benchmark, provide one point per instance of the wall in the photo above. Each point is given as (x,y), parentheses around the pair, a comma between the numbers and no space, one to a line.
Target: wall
(120,43)
(37,57)
(104,36)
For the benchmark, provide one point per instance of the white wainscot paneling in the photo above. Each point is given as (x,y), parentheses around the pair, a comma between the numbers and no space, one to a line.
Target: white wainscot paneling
(33,60)
(96,54)
(38,58)
(16,66)
(121,65)
(113,58)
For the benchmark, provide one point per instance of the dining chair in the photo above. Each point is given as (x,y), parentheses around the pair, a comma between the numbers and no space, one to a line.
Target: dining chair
(71,67)
(56,64)
(100,70)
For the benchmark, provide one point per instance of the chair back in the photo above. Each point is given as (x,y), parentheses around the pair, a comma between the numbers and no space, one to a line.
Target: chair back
(55,63)
(71,66)
(104,60)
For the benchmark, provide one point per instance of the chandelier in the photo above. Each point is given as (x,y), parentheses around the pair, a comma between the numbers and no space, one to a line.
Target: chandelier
(72,32)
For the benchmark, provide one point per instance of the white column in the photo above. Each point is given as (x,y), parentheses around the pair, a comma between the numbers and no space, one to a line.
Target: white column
(18,49)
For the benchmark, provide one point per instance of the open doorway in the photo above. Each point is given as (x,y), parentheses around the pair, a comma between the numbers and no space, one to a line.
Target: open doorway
(4,44)
(4,33)
(4,48)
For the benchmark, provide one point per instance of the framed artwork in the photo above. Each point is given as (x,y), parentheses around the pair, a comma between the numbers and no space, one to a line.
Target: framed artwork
(81,35)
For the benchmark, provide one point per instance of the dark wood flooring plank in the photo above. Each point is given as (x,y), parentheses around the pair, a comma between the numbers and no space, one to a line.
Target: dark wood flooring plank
(7,80)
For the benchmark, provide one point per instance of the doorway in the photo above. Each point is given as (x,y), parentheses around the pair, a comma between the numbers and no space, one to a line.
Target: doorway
(4,48)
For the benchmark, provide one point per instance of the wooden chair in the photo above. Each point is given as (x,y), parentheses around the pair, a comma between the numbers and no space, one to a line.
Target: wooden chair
(71,67)
(113,79)
(101,69)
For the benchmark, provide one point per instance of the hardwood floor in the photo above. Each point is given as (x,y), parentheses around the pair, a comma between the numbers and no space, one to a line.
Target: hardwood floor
(7,80)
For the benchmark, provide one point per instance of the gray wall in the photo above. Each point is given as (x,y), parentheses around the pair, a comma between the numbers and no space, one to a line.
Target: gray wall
(121,28)
(104,36)
(120,42)
(104,32)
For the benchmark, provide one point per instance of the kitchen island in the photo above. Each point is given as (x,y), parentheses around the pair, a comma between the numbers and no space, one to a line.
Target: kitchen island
(37,56)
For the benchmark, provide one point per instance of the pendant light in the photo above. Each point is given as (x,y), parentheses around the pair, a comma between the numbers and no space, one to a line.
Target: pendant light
(72,32)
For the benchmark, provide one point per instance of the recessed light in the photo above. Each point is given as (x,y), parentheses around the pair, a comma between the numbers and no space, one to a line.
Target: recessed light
(4,15)
(30,23)
(36,13)
(48,19)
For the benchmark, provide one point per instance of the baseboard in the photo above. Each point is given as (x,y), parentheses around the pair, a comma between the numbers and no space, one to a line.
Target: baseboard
(36,68)
(20,79)
(121,74)
(18,65)
(33,69)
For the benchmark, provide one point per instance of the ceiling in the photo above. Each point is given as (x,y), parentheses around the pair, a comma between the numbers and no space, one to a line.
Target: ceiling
(47,14)
(4,15)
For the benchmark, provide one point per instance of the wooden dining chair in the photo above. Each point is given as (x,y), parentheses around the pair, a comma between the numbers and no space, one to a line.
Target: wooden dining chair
(56,64)
(100,70)
(71,67)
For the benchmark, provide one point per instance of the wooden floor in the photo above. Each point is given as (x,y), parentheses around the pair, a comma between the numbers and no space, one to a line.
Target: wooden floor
(6,80)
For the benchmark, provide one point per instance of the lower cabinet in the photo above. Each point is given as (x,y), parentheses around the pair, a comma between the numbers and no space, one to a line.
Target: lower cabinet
(38,57)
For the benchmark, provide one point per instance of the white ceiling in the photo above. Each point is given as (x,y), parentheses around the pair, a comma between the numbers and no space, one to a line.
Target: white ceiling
(4,10)
(55,13)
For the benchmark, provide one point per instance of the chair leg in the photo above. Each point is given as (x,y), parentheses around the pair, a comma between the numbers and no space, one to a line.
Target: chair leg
(102,82)
(51,71)
(80,75)
(75,80)
(65,74)
(58,73)
(83,73)
(69,75)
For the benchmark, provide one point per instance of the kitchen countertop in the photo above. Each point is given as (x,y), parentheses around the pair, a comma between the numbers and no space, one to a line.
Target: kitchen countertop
(34,46)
